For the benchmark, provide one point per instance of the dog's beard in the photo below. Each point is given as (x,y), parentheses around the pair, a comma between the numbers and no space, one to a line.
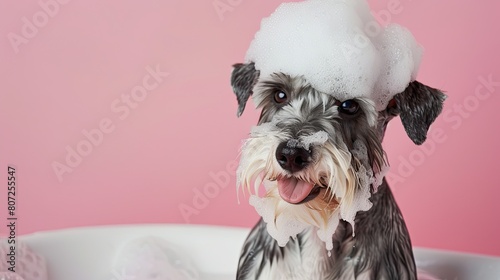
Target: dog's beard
(344,178)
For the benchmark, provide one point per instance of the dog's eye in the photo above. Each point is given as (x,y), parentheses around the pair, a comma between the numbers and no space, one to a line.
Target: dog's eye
(349,107)
(280,97)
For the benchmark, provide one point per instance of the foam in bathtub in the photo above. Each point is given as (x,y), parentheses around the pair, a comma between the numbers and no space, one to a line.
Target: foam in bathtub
(152,258)
(29,265)
(10,276)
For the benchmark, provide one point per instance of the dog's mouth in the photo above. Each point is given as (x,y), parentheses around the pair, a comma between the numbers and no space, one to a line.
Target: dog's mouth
(296,191)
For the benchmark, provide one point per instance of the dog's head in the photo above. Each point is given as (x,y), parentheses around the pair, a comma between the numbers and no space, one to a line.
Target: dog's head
(320,156)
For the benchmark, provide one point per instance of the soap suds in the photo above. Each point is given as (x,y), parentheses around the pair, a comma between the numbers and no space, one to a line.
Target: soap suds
(30,265)
(152,258)
(317,138)
(331,44)
(285,220)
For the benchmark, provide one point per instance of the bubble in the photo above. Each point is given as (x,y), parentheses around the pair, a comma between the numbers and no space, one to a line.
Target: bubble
(334,46)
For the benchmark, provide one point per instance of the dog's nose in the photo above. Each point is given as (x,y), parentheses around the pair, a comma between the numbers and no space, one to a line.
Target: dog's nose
(292,158)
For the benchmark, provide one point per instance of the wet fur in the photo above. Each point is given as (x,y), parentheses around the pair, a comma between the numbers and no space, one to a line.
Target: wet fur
(381,247)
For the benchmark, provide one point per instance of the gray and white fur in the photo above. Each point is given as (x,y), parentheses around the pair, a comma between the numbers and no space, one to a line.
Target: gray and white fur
(379,246)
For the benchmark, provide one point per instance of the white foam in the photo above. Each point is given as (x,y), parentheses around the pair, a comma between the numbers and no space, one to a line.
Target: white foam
(361,200)
(338,47)
(317,138)
(285,226)
(152,258)
(325,233)
(379,177)
(29,265)
(285,221)
(360,151)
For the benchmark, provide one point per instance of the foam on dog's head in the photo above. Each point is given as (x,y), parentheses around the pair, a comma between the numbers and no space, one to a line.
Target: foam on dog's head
(338,47)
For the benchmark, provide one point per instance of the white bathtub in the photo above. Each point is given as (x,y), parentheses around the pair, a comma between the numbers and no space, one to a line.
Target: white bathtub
(88,253)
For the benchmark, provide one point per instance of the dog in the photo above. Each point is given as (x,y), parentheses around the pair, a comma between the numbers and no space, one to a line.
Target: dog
(323,146)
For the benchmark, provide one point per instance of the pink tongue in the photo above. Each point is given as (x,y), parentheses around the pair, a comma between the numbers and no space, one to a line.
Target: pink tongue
(293,190)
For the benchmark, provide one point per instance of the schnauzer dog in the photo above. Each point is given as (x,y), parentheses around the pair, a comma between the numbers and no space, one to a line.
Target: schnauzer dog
(325,174)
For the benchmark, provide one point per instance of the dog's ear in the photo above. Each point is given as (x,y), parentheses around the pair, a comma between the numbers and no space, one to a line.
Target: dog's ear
(418,106)
(243,79)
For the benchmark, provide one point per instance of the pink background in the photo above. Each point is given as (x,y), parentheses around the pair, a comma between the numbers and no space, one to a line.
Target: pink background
(71,73)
